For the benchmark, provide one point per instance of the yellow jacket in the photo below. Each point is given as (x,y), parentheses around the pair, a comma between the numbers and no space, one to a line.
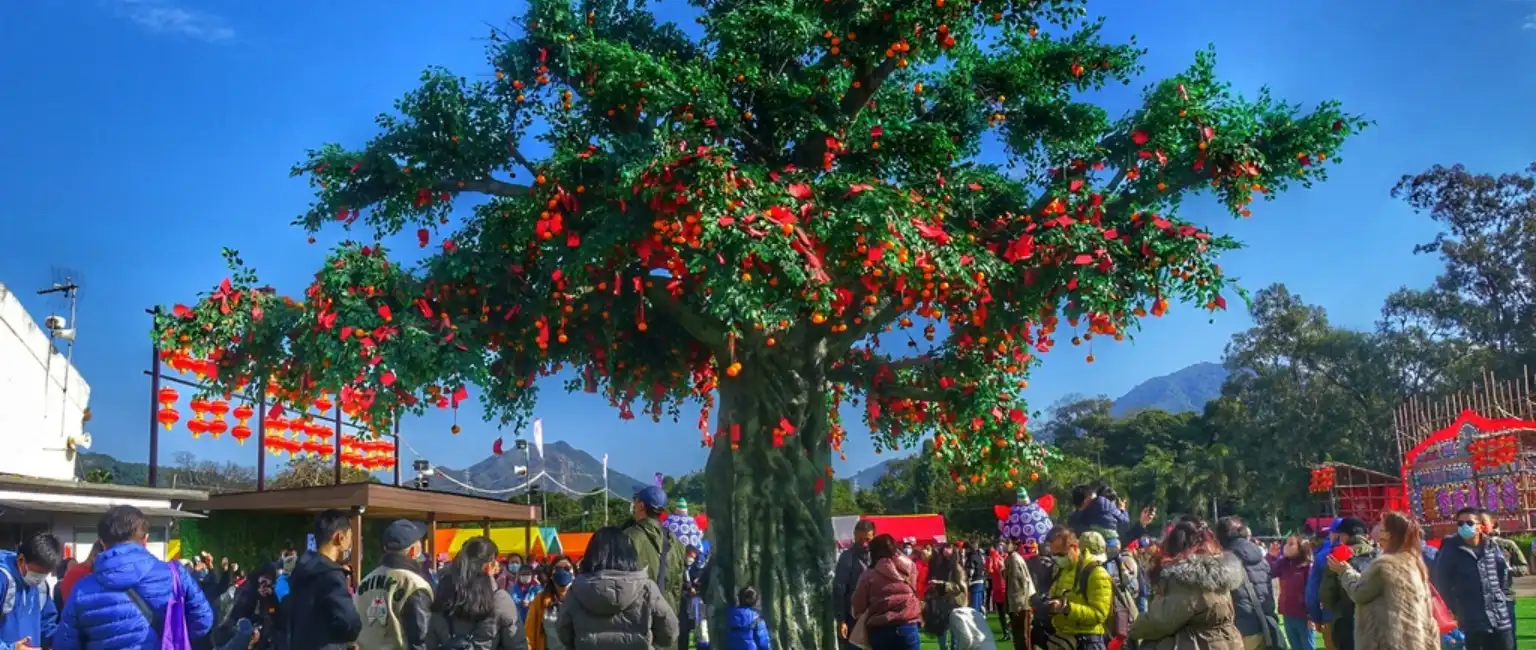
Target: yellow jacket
(1086,589)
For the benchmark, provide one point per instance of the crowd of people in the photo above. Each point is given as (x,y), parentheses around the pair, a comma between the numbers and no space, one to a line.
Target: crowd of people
(1076,587)
(1201,586)
(635,588)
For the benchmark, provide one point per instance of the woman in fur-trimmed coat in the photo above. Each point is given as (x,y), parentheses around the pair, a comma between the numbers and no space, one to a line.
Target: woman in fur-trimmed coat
(1191,608)
(1392,601)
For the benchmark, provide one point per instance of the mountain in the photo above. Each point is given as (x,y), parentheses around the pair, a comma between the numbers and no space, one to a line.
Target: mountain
(123,472)
(1185,390)
(577,470)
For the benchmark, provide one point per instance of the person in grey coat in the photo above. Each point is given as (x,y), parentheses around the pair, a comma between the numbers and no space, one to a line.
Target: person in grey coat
(614,605)
(1258,619)
(468,611)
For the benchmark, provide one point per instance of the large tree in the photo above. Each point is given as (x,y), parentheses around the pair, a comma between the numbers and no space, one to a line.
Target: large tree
(736,219)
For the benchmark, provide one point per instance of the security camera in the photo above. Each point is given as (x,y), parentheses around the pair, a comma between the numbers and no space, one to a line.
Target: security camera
(67,334)
(55,323)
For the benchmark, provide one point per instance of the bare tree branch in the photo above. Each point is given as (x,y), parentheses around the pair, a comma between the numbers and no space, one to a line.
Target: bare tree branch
(706,330)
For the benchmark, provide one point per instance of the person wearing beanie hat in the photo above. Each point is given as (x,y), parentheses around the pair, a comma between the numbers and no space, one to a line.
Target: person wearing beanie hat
(659,551)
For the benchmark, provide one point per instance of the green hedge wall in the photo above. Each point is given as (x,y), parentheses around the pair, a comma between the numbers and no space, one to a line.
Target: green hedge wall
(254,538)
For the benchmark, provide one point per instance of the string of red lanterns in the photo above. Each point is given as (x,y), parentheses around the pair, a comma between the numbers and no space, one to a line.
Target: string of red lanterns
(297,436)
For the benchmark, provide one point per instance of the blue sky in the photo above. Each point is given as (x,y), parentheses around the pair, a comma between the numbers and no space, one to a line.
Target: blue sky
(140,136)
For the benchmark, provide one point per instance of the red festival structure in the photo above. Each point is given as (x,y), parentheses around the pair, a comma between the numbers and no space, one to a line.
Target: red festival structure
(1348,491)
(1473,449)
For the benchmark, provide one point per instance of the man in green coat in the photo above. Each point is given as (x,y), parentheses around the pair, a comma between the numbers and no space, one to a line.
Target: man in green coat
(651,540)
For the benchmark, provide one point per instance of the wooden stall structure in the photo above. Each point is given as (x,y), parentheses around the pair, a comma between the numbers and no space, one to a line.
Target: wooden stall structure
(377,501)
(1344,490)
(1476,448)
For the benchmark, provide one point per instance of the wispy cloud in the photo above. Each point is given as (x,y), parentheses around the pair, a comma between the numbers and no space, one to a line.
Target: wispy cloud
(164,17)
(1530,23)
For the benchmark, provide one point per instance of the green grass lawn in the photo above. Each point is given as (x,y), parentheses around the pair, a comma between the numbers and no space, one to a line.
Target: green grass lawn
(1525,614)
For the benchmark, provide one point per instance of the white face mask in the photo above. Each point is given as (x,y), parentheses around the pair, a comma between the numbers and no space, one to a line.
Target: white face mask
(525,579)
(33,578)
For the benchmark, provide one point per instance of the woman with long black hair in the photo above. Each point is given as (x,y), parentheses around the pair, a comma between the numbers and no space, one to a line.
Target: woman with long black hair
(613,604)
(468,611)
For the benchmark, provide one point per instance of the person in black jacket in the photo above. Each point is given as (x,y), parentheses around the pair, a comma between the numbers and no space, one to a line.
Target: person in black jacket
(976,574)
(319,611)
(845,577)
(1471,574)
(255,601)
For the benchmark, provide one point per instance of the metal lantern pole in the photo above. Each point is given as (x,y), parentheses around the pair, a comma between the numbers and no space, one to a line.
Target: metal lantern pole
(154,402)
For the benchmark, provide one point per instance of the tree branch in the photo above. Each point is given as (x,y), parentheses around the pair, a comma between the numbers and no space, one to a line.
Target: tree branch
(489,186)
(706,330)
(808,152)
(862,374)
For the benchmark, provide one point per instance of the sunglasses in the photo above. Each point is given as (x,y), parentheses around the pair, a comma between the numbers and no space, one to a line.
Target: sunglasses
(1466,523)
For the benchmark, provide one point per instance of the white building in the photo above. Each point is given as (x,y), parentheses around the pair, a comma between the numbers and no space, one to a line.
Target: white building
(43,406)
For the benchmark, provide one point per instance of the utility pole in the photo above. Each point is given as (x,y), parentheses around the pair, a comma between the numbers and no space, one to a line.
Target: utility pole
(66,331)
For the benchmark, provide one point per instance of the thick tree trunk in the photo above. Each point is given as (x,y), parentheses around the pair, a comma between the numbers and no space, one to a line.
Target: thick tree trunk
(769,505)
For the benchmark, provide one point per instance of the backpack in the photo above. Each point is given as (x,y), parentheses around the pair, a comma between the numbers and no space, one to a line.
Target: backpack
(173,627)
(457,641)
(1122,610)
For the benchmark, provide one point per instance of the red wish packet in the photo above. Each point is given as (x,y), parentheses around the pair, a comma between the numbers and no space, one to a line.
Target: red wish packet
(1342,553)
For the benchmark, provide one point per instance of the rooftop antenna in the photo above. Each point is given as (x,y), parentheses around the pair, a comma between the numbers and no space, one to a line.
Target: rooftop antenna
(64,286)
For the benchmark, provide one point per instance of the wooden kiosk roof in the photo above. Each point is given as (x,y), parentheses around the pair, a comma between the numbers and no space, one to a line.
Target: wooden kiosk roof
(376,501)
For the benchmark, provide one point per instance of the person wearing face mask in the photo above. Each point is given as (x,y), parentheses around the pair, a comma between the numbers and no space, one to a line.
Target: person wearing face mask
(544,612)
(115,607)
(524,590)
(319,613)
(468,611)
(1471,574)
(286,562)
(508,577)
(27,614)
(395,599)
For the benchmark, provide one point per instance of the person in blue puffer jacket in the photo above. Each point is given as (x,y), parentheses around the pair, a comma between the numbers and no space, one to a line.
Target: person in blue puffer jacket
(746,630)
(1315,611)
(100,615)
(27,615)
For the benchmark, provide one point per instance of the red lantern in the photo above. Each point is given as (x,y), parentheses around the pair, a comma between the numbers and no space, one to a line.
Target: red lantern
(323,403)
(198,427)
(167,396)
(217,427)
(167,417)
(275,423)
(240,433)
(244,412)
(218,408)
(325,449)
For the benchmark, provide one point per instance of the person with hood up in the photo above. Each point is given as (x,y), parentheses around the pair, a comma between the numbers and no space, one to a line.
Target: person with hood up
(28,616)
(746,629)
(851,565)
(613,604)
(1361,551)
(946,591)
(1392,597)
(659,551)
(1081,593)
(319,613)
(1192,594)
(395,599)
(1254,600)
(468,611)
(1471,575)
(115,607)
(886,599)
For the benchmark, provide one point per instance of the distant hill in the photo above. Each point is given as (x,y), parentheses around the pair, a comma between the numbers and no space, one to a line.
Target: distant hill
(123,472)
(572,467)
(1185,390)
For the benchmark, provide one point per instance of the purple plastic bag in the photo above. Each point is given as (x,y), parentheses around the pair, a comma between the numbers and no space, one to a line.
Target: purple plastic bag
(174,636)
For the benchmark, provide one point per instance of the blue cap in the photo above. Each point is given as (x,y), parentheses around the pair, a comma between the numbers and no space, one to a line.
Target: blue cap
(652,497)
(1334,525)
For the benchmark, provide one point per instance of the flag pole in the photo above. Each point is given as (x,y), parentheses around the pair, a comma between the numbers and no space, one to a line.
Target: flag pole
(605,491)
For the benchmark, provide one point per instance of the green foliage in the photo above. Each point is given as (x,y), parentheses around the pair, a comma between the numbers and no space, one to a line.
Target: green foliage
(98,475)
(768,198)
(313,471)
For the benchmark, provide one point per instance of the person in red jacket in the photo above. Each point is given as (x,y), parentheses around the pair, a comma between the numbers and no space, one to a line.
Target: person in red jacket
(920,564)
(998,588)
(75,573)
